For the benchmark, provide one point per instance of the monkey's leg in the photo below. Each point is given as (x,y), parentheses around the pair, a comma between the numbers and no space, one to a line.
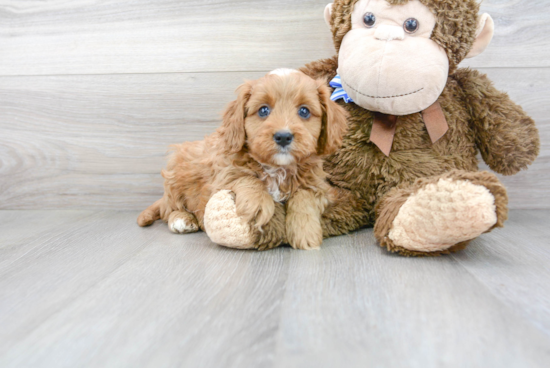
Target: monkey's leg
(182,222)
(439,215)
(345,213)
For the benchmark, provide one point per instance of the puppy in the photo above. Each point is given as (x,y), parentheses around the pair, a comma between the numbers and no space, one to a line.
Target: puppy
(268,152)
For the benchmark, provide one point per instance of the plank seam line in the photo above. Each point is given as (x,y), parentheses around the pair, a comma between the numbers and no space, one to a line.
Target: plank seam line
(145,73)
(223,72)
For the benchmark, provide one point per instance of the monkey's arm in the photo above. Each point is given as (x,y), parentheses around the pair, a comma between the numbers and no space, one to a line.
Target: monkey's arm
(506,137)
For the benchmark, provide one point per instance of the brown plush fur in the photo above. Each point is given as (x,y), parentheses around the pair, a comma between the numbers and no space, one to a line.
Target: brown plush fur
(241,156)
(481,119)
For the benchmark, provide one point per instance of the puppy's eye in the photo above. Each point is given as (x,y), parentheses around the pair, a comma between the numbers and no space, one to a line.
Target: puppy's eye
(369,19)
(411,25)
(304,112)
(264,111)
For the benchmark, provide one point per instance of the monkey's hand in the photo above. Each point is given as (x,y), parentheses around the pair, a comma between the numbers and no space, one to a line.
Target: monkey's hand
(506,137)
(222,224)
(225,227)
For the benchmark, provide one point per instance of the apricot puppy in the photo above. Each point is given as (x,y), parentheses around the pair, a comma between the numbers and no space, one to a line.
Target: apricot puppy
(268,153)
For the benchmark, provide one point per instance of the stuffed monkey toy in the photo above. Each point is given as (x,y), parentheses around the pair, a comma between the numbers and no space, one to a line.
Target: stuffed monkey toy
(408,165)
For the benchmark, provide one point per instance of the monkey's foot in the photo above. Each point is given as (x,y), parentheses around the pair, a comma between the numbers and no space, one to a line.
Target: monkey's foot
(440,215)
(222,224)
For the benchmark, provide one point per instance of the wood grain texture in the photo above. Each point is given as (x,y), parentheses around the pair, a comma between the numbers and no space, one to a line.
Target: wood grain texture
(518,41)
(143,36)
(98,290)
(98,142)
(504,262)
(180,300)
(354,305)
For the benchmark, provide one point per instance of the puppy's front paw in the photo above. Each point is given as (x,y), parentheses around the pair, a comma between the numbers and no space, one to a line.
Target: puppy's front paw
(257,207)
(222,224)
(304,232)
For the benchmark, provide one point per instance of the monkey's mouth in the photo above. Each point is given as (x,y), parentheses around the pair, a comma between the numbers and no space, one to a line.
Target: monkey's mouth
(369,96)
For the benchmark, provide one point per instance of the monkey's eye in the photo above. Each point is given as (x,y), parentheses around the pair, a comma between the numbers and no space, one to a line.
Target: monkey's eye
(411,25)
(369,19)
(304,112)
(264,111)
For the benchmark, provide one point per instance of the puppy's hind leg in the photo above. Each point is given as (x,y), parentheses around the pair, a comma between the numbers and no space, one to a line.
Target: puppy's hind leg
(150,215)
(182,222)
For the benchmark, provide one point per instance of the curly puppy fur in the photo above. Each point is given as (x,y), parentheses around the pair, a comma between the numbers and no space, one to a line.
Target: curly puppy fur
(481,119)
(243,157)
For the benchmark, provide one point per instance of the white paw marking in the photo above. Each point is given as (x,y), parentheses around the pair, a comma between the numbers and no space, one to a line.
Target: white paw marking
(180,226)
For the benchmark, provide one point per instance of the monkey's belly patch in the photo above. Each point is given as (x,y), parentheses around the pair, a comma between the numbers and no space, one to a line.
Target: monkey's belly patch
(443,214)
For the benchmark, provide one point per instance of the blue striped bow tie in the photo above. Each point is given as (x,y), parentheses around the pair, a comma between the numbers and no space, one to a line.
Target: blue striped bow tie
(339,92)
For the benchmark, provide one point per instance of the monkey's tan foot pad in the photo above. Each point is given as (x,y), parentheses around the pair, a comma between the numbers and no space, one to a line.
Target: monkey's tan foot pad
(222,224)
(182,223)
(443,214)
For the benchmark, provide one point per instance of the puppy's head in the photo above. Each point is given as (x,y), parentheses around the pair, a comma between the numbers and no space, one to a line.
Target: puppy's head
(282,118)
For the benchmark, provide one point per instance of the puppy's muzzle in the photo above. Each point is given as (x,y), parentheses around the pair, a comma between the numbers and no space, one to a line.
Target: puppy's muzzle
(283,139)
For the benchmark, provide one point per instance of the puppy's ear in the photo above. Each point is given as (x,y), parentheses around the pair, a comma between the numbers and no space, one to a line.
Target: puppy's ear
(232,130)
(335,122)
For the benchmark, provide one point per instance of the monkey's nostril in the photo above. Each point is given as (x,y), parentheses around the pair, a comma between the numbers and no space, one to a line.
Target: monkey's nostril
(283,139)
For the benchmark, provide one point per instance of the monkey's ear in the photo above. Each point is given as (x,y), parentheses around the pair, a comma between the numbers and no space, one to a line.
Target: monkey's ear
(232,132)
(335,122)
(484,35)
(328,15)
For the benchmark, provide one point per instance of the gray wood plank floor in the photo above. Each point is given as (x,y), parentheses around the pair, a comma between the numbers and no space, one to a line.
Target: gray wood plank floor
(92,289)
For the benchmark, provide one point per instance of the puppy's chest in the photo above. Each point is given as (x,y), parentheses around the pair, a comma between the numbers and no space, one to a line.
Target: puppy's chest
(276,181)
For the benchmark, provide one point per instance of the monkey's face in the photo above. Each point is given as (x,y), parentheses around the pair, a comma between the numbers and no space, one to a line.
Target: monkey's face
(387,61)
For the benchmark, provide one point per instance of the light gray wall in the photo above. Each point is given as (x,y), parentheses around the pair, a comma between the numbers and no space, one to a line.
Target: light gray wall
(93,92)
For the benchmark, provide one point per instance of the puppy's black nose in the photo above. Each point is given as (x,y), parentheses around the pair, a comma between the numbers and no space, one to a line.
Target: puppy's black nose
(283,139)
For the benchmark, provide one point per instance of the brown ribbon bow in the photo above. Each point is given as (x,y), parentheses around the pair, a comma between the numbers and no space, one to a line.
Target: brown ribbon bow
(383,127)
